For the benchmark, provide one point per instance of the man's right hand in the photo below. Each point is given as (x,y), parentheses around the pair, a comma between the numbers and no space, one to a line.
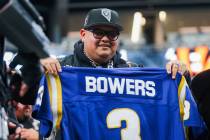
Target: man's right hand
(51,65)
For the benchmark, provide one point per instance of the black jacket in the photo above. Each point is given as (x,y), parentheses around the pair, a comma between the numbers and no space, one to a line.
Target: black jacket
(79,59)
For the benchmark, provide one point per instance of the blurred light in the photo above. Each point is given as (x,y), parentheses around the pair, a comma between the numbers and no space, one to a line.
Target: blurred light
(205,29)
(195,57)
(53,56)
(17,69)
(196,67)
(8,56)
(170,54)
(124,54)
(61,56)
(143,21)
(188,30)
(137,27)
(162,16)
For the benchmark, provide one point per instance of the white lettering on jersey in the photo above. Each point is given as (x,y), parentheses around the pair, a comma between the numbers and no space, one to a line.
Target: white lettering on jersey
(40,94)
(120,86)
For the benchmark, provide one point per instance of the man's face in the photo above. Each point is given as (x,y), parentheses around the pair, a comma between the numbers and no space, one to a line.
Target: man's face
(23,111)
(100,43)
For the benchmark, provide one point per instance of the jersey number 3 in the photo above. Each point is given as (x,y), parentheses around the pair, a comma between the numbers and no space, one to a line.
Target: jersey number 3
(132,130)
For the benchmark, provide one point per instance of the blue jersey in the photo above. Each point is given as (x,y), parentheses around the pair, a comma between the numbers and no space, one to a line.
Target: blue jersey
(116,104)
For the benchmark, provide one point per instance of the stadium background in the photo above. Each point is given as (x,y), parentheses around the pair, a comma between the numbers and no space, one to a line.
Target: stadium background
(155,31)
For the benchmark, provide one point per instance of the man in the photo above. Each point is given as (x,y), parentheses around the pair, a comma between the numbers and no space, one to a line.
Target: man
(99,43)
(23,114)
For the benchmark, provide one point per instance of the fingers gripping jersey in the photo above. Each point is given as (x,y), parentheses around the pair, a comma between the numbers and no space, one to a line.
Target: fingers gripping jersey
(115,104)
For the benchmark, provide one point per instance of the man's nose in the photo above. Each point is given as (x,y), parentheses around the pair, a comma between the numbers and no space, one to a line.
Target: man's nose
(105,38)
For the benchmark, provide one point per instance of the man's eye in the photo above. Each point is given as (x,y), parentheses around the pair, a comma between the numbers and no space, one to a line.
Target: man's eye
(113,34)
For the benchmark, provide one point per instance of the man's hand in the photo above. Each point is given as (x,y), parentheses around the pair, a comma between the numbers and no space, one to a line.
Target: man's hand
(16,134)
(29,134)
(51,65)
(173,67)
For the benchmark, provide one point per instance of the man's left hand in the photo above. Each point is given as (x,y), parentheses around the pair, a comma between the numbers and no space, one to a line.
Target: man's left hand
(173,67)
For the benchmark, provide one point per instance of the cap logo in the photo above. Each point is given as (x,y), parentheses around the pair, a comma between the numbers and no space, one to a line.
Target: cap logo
(86,20)
(106,13)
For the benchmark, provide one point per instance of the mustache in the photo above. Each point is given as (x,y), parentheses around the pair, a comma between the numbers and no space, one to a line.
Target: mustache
(109,44)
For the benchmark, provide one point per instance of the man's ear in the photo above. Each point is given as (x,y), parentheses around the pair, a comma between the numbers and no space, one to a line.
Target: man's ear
(82,34)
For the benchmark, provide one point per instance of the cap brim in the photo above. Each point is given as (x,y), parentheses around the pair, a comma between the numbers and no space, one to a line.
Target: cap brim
(118,27)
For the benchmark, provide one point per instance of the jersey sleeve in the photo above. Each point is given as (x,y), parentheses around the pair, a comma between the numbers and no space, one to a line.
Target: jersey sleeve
(42,110)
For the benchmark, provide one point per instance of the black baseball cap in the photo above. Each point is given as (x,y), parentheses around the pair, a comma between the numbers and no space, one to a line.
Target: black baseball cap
(102,16)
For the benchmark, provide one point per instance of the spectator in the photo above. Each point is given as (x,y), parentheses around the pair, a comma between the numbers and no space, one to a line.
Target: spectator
(23,114)
(201,91)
